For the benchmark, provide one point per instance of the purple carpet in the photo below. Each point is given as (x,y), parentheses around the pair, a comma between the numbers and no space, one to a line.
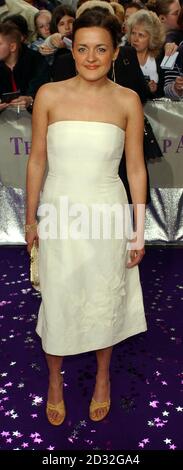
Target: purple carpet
(146,370)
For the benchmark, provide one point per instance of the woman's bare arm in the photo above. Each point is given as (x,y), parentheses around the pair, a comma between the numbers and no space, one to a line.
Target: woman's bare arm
(38,156)
(136,171)
(36,163)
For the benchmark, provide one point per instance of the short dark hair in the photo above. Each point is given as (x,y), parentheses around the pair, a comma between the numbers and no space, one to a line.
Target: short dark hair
(58,14)
(101,18)
(10,31)
(19,22)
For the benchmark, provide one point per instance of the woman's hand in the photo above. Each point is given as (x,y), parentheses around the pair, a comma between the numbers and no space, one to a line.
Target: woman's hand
(170,48)
(3,106)
(45,50)
(152,86)
(135,257)
(178,85)
(56,40)
(31,237)
(22,101)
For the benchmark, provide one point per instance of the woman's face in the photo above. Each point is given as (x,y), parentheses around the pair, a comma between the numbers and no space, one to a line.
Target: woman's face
(170,20)
(93,52)
(139,38)
(43,24)
(65,25)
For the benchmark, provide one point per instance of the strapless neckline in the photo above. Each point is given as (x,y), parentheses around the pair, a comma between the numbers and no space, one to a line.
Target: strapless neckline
(86,122)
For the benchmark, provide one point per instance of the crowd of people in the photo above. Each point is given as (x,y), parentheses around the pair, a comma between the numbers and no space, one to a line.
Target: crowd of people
(36,36)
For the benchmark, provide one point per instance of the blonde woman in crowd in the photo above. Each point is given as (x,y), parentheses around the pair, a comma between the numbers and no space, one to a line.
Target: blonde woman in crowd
(129,9)
(42,22)
(146,34)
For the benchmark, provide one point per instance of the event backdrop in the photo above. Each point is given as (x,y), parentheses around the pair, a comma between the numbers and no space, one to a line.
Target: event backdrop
(164,216)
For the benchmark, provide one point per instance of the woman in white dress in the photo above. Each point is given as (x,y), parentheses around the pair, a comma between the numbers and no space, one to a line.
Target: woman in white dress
(91,294)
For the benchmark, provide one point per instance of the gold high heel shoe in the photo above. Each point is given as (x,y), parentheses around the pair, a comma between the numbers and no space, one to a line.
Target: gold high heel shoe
(95,405)
(59,409)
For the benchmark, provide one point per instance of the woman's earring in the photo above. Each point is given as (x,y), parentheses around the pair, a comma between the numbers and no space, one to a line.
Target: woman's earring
(113,71)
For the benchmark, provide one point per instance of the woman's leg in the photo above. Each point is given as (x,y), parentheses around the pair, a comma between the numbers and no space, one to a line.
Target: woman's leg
(102,385)
(55,389)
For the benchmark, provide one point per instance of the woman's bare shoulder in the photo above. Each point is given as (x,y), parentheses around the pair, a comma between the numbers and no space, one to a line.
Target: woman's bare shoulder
(127,94)
(129,102)
(53,89)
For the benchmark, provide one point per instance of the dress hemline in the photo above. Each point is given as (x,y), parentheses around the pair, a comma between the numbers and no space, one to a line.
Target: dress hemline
(133,332)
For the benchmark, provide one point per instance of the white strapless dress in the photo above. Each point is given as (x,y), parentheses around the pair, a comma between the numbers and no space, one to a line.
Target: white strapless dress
(90,300)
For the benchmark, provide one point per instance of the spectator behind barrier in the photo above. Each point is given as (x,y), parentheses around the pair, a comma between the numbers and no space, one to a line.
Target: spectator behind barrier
(19,22)
(60,27)
(21,69)
(19,7)
(130,9)
(42,21)
(146,34)
(174,79)
(168,12)
(42,28)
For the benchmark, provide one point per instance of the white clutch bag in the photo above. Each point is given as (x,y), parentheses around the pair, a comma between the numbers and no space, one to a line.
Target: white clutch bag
(168,61)
(34,267)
